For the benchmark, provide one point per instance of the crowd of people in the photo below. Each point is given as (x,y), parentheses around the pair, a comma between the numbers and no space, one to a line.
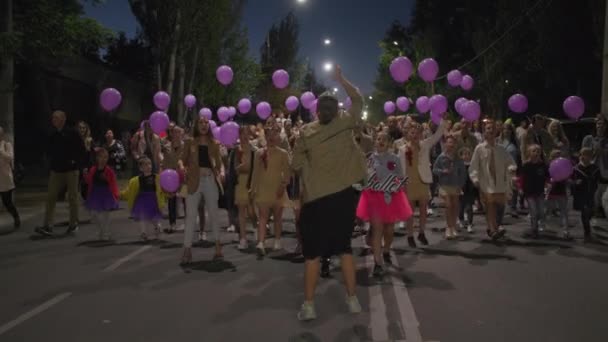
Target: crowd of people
(338,174)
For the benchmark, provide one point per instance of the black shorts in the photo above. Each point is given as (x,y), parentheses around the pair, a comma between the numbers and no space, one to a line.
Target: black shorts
(327,224)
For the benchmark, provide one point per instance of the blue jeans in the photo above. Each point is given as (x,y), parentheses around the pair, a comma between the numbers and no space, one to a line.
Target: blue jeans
(536,205)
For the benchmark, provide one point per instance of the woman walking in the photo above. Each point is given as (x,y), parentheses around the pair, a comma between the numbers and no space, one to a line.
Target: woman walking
(7,184)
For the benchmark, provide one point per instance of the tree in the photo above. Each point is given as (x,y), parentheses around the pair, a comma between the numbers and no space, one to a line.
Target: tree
(131,57)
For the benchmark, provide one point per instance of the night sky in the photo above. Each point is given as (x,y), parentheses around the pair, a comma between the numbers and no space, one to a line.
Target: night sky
(354,26)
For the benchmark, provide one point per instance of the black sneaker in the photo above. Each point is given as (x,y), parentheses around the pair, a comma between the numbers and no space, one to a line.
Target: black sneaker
(411,242)
(325,268)
(378,271)
(72,229)
(46,231)
(422,239)
(387,258)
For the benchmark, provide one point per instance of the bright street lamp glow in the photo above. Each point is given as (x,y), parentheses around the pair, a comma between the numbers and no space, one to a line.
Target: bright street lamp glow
(341,104)
(328,66)
(335,90)
(364,115)
(301,1)
(327,41)
(395,43)
(371,98)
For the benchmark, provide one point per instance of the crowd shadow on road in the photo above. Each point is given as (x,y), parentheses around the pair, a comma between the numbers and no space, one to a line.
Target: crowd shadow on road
(211,266)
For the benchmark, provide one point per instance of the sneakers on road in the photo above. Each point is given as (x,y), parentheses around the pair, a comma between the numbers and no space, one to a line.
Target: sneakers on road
(422,239)
(378,271)
(231,229)
(353,304)
(307,312)
(260,249)
(72,229)
(46,231)
(242,245)
(277,245)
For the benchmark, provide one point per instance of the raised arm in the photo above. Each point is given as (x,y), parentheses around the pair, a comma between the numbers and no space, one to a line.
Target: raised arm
(354,94)
(434,139)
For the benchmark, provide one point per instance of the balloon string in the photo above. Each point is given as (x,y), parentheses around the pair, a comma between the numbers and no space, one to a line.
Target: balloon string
(515,24)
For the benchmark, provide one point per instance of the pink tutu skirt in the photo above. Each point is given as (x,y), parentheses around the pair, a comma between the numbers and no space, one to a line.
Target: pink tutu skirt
(373,207)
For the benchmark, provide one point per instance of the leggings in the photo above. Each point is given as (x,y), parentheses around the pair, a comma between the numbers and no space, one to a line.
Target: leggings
(7,201)
(207,189)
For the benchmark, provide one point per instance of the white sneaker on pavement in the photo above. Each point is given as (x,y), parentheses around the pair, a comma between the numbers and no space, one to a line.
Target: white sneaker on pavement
(307,312)
(277,244)
(242,245)
(231,229)
(353,304)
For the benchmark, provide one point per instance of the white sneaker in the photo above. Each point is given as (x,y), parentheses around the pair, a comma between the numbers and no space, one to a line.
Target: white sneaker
(454,233)
(448,234)
(307,312)
(260,248)
(353,304)
(242,245)
(231,229)
(202,236)
(277,244)
(470,229)
(429,212)
(298,249)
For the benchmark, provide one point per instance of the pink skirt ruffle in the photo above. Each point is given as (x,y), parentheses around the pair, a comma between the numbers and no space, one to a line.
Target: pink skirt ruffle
(372,207)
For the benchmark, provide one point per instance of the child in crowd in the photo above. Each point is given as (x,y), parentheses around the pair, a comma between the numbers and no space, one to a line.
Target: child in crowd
(585,180)
(102,193)
(557,198)
(469,194)
(535,175)
(451,177)
(383,201)
(145,198)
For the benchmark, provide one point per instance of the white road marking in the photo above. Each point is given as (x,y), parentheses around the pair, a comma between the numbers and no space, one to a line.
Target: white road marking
(35,311)
(126,258)
(409,321)
(377,308)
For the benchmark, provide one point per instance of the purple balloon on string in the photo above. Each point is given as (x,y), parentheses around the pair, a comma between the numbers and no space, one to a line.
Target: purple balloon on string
(244,106)
(438,104)
(436,117)
(458,104)
(518,103)
(292,103)
(348,103)
(401,69)
(162,100)
(467,82)
(159,121)
(169,180)
(454,78)
(212,124)
(263,109)
(389,107)
(313,107)
(428,69)
(471,111)
(422,104)
(190,101)
(231,111)
(110,99)
(280,79)
(223,113)
(560,169)
(224,75)
(574,107)
(307,99)
(229,134)
(403,103)
(205,113)
(216,132)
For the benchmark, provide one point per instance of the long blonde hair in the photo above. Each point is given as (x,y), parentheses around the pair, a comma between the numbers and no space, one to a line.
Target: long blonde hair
(528,152)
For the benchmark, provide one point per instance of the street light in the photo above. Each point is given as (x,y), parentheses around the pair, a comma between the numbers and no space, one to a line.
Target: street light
(335,90)
(371,98)
(301,2)
(327,42)
(328,66)
(395,43)
(364,117)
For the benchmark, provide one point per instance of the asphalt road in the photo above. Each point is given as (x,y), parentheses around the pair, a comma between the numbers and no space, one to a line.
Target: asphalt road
(76,289)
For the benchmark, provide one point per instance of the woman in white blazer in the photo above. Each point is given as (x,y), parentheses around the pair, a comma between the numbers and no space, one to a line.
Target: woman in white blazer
(7,184)
(415,158)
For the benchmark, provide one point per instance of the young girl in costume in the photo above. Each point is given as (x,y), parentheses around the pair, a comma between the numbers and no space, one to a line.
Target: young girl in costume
(102,193)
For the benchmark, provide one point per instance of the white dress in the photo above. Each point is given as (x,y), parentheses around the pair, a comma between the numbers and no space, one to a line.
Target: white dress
(6,166)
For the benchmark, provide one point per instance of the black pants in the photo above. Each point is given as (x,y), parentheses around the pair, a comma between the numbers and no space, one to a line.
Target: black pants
(586,214)
(466,206)
(173,209)
(7,201)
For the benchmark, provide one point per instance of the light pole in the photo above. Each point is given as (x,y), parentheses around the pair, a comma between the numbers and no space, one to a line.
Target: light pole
(604,106)
(327,42)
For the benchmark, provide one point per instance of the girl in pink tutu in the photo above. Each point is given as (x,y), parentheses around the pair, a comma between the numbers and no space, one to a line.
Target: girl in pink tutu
(383,201)
(145,198)
(102,193)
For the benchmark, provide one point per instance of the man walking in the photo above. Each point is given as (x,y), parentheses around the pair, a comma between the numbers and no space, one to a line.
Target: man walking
(66,154)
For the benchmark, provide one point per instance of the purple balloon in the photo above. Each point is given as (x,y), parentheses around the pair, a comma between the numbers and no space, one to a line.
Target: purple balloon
(348,103)
(471,111)
(223,113)
(560,169)
(403,103)
(190,101)
(389,107)
(313,107)
(280,79)
(458,104)
(436,117)
(438,104)
(454,78)
(307,99)
(518,103)
(224,75)
(401,69)
(292,103)
(216,132)
(162,100)
(212,124)
(169,181)
(574,107)
(229,134)
(159,121)
(264,110)
(422,104)
(467,82)
(244,106)
(232,111)
(110,99)
(428,69)
(205,113)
